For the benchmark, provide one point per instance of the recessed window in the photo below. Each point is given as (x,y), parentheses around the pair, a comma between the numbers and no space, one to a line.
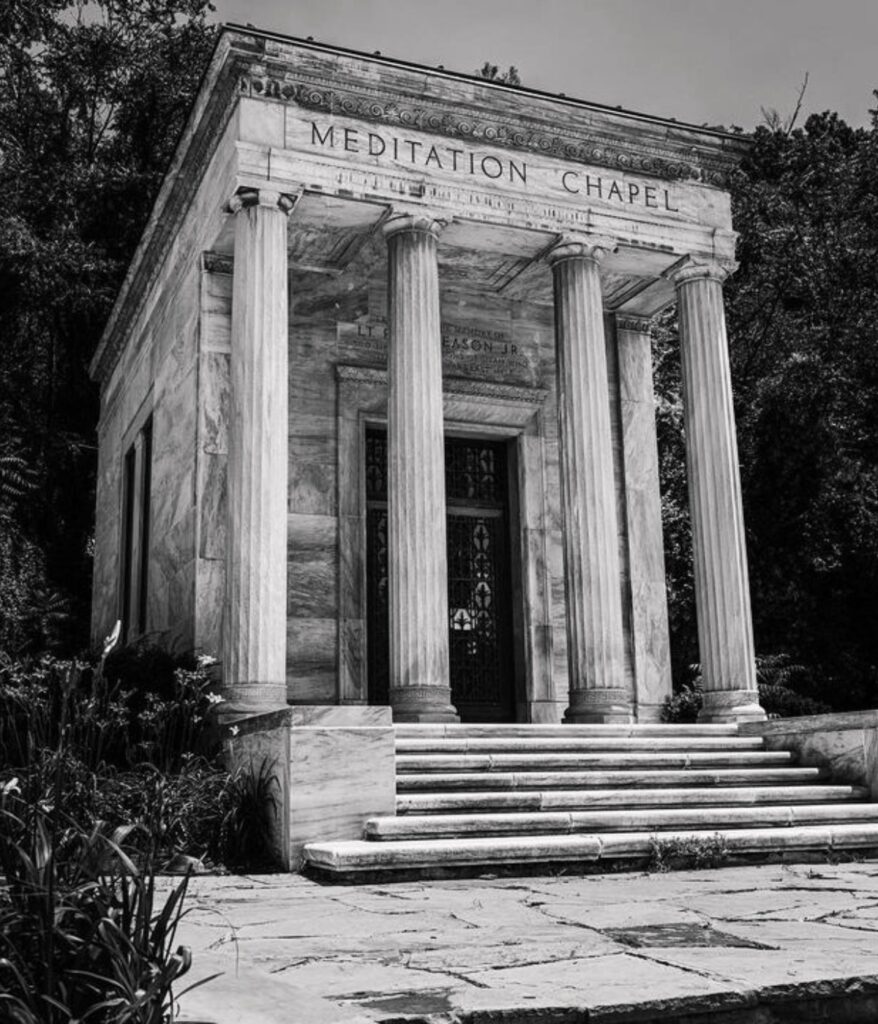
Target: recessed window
(137,486)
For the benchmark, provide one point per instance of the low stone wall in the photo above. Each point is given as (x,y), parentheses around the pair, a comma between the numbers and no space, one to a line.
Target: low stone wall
(335,767)
(845,744)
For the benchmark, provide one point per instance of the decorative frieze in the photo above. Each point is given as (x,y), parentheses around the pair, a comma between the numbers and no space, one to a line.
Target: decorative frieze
(520,132)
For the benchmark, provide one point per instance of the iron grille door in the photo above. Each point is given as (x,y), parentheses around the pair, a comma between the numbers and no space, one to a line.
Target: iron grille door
(479,606)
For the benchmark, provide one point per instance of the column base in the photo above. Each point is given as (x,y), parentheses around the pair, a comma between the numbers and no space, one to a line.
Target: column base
(724,706)
(243,700)
(649,713)
(423,704)
(600,706)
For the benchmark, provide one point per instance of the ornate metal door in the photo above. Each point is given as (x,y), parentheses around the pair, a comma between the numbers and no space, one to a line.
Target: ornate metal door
(479,608)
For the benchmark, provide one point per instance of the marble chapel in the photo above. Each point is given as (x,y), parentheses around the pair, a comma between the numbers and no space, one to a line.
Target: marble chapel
(377,420)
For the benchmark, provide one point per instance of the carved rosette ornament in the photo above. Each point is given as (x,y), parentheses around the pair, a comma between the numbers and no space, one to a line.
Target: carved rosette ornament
(591,557)
(722,593)
(255,618)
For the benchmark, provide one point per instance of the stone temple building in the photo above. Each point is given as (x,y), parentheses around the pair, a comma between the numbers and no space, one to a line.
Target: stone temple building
(376,397)
(377,432)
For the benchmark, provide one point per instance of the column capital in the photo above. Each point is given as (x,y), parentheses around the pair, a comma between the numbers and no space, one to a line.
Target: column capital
(268,198)
(581,246)
(416,220)
(633,324)
(700,268)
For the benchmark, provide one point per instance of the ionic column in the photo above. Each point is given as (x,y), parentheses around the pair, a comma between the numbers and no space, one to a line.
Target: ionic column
(722,593)
(255,619)
(591,536)
(417,556)
(643,507)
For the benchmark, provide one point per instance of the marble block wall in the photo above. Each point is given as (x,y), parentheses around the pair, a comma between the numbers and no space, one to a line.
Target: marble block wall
(157,374)
(334,767)
(845,744)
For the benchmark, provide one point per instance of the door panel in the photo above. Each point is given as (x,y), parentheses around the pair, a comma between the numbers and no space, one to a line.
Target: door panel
(479,606)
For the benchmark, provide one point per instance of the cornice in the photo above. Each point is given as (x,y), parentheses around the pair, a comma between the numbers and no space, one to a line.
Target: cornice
(593,144)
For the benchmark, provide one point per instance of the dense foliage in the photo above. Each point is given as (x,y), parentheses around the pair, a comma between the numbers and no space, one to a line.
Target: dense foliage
(803,324)
(126,756)
(92,100)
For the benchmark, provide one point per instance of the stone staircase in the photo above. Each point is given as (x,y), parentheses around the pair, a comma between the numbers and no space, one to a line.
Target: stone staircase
(530,798)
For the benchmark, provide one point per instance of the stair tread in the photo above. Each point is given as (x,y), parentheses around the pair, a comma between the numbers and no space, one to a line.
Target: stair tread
(545,761)
(644,778)
(361,854)
(410,803)
(550,822)
(555,729)
(586,744)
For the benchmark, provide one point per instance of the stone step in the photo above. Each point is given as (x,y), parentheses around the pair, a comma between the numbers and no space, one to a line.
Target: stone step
(440,826)
(573,744)
(597,852)
(642,779)
(489,731)
(545,761)
(591,799)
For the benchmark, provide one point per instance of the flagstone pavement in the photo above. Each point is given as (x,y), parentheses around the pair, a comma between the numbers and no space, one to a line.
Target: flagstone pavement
(763,944)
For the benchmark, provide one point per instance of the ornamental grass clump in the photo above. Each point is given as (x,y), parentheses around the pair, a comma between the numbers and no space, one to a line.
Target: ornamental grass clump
(83,934)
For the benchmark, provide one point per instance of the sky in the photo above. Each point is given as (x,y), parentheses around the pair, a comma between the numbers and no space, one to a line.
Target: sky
(703,61)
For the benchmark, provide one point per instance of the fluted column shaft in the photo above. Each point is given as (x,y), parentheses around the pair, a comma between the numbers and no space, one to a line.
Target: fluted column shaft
(255,620)
(417,556)
(722,592)
(591,536)
(643,505)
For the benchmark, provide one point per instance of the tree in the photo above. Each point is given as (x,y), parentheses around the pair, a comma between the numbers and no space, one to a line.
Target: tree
(92,100)
(492,73)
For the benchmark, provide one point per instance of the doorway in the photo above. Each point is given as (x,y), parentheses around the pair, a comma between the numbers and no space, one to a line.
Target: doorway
(480,635)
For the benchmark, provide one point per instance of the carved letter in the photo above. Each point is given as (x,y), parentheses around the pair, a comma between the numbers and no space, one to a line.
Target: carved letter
(615,191)
(597,185)
(433,155)
(350,140)
(565,176)
(633,192)
(455,153)
(494,160)
(317,137)
(672,209)
(377,138)
(649,196)
(413,146)
(520,171)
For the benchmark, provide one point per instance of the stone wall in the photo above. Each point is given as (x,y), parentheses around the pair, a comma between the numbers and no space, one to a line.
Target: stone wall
(158,374)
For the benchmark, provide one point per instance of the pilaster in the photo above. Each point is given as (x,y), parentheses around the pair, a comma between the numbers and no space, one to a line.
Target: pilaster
(417,556)
(255,613)
(643,510)
(591,558)
(722,592)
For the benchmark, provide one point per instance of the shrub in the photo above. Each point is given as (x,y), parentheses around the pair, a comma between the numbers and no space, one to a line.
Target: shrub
(775,677)
(82,933)
(678,854)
